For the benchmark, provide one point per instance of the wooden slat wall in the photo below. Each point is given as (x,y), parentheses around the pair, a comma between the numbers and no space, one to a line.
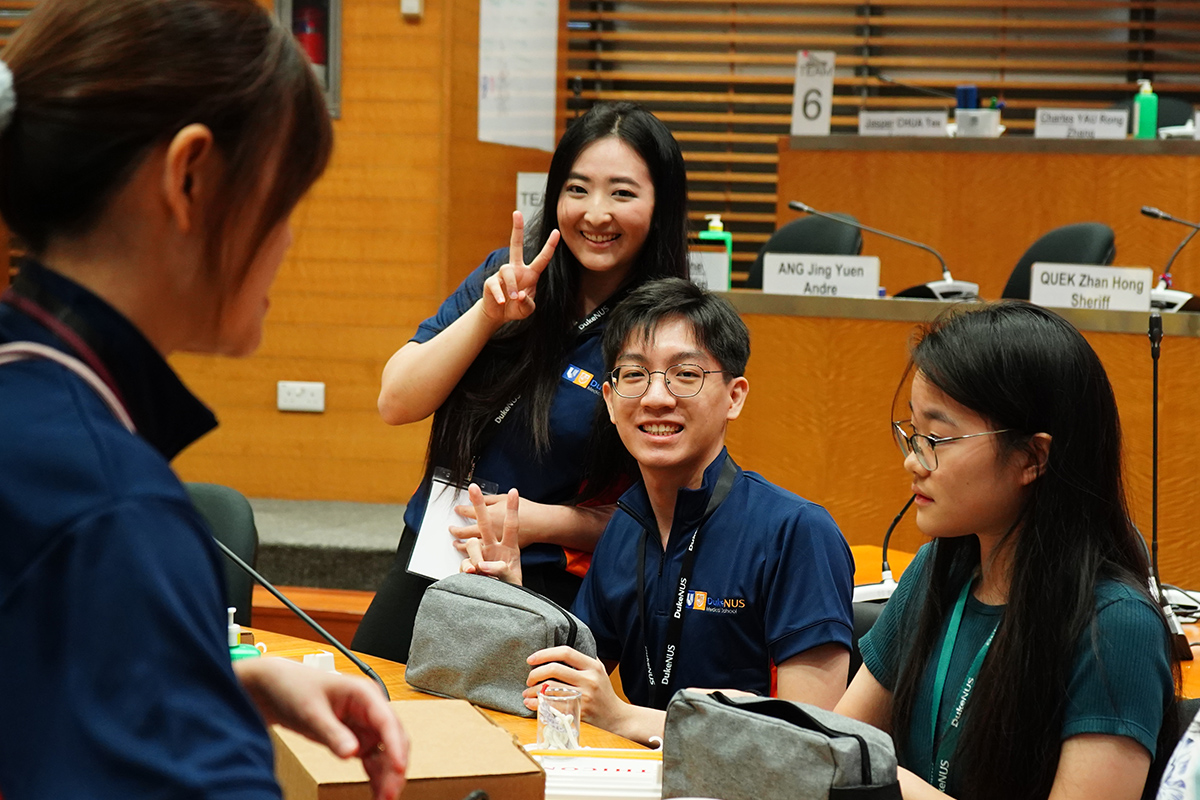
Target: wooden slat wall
(720,73)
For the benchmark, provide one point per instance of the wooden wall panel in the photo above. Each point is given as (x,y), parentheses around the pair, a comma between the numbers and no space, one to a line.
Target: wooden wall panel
(366,268)
(817,422)
(411,203)
(981,210)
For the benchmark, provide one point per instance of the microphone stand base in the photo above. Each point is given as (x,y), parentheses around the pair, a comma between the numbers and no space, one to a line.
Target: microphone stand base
(874,592)
(941,290)
(1171,300)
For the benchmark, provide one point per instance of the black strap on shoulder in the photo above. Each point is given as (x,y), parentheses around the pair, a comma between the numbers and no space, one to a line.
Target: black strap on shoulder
(661,689)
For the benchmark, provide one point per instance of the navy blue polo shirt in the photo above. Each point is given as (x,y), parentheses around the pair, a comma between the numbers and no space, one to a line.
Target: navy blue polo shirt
(773,577)
(115,679)
(510,459)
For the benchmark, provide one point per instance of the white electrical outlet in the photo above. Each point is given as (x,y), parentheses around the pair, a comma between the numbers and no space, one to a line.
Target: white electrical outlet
(301,396)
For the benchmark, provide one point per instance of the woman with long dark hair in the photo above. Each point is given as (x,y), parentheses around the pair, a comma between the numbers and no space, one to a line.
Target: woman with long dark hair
(1022,655)
(510,365)
(151,154)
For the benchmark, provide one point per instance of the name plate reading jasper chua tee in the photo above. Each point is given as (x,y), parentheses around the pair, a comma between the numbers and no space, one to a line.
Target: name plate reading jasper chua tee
(821,276)
(1080,123)
(1086,286)
(902,123)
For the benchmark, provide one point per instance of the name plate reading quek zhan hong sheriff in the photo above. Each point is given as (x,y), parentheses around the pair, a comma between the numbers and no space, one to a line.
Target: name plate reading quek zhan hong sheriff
(1091,287)
(821,275)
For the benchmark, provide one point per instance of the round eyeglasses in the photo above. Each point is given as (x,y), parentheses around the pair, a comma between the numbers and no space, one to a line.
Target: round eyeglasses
(682,380)
(924,447)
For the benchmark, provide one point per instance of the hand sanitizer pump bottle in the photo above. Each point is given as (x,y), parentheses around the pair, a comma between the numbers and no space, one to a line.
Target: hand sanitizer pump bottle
(1145,111)
(716,232)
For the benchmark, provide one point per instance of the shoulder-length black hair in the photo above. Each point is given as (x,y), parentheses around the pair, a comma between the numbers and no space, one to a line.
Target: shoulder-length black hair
(1027,369)
(525,358)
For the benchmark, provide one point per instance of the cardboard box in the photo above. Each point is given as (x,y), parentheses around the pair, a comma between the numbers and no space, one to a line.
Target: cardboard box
(453,750)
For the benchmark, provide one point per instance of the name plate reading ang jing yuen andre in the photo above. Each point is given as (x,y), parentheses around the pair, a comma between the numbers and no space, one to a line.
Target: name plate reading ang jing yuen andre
(821,276)
(1080,123)
(1086,286)
(902,123)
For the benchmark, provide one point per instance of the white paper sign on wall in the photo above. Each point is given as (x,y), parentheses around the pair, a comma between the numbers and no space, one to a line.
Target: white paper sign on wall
(821,275)
(813,99)
(1090,287)
(531,194)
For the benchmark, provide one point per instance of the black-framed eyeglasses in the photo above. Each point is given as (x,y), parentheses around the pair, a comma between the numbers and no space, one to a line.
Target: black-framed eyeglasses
(682,380)
(924,447)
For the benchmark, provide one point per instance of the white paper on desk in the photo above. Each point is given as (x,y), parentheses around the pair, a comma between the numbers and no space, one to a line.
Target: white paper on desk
(433,555)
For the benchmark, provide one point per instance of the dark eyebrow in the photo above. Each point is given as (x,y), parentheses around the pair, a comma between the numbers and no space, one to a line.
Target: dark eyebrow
(579,176)
(934,415)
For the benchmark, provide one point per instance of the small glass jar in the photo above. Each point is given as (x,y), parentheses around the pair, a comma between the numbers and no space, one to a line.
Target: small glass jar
(559,709)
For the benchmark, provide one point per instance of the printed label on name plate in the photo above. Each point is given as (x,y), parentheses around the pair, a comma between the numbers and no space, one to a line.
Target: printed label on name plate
(1090,287)
(710,269)
(902,123)
(821,275)
(1080,123)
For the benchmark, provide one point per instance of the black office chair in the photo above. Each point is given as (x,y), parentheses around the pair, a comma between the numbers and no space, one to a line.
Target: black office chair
(1082,243)
(1171,111)
(865,615)
(815,235)
(231,519)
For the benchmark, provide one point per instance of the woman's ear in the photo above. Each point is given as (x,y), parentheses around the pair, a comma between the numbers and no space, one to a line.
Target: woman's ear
(1037,455)
(189,175)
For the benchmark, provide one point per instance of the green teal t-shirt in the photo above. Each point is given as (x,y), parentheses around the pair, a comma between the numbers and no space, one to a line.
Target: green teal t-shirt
(1120,687)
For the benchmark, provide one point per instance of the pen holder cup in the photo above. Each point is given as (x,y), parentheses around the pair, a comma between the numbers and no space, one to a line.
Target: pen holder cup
(559,709)
(977,123)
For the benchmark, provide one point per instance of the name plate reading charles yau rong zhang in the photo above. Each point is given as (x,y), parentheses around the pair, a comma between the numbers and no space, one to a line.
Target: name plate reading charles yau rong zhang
(902,123)
(1091,287)
(1080,123)
(821,276)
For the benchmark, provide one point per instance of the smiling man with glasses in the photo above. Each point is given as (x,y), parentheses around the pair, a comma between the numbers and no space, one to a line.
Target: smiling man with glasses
(706,576)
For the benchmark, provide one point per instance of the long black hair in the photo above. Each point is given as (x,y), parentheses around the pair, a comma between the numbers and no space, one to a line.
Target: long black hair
(525,358)
(1027,369)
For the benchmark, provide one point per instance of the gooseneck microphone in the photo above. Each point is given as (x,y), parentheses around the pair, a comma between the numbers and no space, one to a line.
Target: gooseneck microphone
(1163,297)
(873,592)
(915,88)
(1179,640)
(312,623)
(945,289)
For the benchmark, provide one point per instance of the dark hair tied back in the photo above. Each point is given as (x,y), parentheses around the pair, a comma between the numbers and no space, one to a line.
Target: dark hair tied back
(100,82)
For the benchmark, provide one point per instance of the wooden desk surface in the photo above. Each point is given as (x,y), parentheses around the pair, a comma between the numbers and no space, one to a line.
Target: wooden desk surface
(392,674)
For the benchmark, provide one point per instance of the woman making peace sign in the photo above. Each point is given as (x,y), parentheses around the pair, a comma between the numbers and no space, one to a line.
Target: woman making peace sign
(510,365)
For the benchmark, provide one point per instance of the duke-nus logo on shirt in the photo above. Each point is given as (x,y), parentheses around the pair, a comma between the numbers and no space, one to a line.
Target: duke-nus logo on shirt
(700,601)
(581,377)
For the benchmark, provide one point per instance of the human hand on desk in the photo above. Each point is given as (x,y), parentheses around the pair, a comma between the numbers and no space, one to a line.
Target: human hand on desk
(508,295)
(490,554)
(600,705)
(346,714)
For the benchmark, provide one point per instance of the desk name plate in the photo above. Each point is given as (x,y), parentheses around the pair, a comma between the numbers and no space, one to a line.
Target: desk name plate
(1080,123)
(902,123)
(1091,287)
(821,275)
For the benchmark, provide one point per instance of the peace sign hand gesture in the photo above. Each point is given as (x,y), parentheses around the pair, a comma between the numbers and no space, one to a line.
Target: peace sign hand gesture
(497,556)
(508,294)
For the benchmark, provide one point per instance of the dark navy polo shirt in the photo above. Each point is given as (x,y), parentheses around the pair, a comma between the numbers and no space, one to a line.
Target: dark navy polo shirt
(773,577)
(510,459)
(115,679)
